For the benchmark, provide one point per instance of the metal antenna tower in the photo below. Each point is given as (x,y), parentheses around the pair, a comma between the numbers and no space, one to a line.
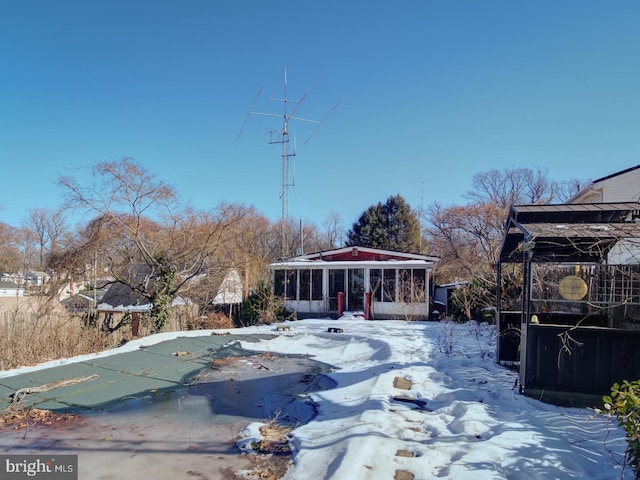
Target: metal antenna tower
(283,138)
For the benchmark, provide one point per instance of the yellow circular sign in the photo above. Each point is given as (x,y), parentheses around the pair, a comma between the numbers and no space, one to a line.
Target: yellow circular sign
(572,288)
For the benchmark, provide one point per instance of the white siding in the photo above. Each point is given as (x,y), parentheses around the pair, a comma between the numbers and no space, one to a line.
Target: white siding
(622,188)
(11,292)
(230,290)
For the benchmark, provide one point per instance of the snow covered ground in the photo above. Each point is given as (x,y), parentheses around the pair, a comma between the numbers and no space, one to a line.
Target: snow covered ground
(472,425)
(426,400)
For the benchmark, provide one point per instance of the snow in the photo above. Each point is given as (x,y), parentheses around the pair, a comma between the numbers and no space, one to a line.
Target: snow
(474,424)
(452,414)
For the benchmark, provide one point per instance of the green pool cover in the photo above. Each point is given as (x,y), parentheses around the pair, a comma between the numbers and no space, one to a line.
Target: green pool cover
(103,381)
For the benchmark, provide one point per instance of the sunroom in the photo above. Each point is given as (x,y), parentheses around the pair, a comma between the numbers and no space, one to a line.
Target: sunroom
(375,283)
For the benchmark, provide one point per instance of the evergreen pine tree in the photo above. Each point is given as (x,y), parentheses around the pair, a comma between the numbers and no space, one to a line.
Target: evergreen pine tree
(389,226)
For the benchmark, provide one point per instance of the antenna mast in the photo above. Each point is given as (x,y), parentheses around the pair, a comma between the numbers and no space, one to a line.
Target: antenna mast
(283,138)
(286,154)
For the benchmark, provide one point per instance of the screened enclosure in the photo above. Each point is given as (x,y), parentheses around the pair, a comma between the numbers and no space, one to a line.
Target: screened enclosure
(378,283)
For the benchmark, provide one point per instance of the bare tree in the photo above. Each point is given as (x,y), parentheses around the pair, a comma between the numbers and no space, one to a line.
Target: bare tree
(10,257)
(28,245)
(48,227)
(511,186)
(334,229)
(468,238)
(247,247)
(564,190)
(154,244)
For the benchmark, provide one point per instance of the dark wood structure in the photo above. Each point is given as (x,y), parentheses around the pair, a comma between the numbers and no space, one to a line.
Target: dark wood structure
(572,318)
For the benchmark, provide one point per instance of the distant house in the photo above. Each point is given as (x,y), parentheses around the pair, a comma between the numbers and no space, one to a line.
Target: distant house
(120,299)
(35,279)
(10,289)
(442,295)
(230,290)
(377,283)
(623,186)
(83,302)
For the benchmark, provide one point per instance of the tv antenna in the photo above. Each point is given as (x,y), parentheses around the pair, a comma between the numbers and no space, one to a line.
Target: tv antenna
(283,138)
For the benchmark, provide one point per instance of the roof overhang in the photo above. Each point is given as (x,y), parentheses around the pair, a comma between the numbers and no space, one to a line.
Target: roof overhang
(355,254)
(305,264)
(568,232)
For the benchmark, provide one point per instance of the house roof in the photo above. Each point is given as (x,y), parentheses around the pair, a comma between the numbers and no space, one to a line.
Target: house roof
(229,290)
(121,297)
(358,254)
(568,232)
(78,302)
(622,172)
(5,285)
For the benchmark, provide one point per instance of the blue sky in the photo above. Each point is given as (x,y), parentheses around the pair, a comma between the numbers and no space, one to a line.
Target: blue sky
(432,92)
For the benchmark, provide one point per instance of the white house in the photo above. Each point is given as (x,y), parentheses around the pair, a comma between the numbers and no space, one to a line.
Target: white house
(36,279)
(623,186)
(10,289)
(230,290)
(378,283)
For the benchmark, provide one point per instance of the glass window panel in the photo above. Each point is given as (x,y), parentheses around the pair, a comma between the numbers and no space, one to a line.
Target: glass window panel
(336,284)
(291,284)
(278,283)
(355,297)
(419,284)
(305,284)
(389,285)
(375,279)
(404,285)
(316,284)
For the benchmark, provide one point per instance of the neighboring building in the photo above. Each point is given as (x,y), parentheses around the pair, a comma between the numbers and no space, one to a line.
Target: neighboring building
(442,295)
(379,283)
(35,279)
(622,186)
(10,289)
(120,300)
(83,302)
(230,290)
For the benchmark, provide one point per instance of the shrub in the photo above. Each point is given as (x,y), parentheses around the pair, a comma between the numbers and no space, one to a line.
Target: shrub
(262,306)
(446,338)
(211,320)
(624,404)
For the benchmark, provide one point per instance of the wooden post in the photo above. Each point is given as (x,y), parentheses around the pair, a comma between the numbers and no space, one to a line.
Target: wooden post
(135,324)
(340,303)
